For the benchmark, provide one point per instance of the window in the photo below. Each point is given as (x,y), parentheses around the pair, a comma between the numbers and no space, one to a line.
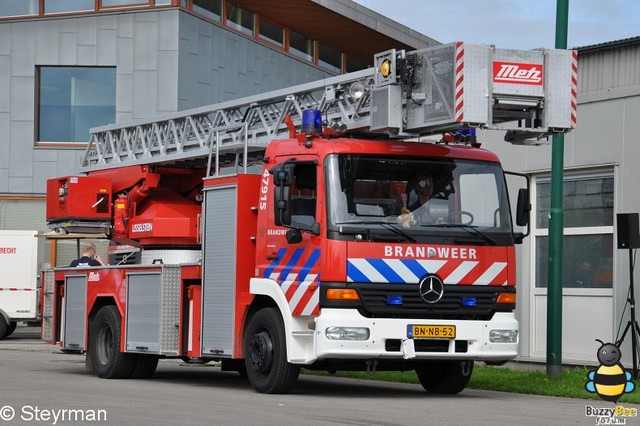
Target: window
(18,7)
(303,194)
(74,99)
(301,46)
(588,235)
(330,58)
(209,8)
(239,19)
(354,64)
(57,6)
(271,32)
(108,3)
(431,200)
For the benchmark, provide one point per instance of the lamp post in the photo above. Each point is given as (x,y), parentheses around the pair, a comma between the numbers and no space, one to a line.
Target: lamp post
(556,225)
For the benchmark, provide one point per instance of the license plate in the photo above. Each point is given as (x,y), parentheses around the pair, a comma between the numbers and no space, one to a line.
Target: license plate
(431,331)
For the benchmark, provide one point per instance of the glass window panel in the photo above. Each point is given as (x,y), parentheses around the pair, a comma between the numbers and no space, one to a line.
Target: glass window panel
(271,32)
(74,99)
(587,261)
(209,8)
(480,195)
(586,202)
(107,3)
(56,6)
(239,19)
(163,2)
(18,7)
(354,64)
(301,46)
(330,58)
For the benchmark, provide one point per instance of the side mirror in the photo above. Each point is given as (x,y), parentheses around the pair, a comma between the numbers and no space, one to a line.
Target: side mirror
(523,208)
(294,236)
(282,179)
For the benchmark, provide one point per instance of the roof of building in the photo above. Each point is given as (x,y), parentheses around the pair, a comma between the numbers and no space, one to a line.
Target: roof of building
(343,24)
(609,45)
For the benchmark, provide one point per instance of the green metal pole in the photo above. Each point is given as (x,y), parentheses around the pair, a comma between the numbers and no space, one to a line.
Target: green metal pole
(556,225)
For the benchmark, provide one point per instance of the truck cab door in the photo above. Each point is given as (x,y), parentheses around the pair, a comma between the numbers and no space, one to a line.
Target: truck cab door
(293,235)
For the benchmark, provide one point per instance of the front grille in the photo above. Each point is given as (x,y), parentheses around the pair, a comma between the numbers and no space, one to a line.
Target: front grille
(375,298)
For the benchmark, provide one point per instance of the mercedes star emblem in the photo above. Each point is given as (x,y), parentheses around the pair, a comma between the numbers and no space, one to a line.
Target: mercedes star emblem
(431,288)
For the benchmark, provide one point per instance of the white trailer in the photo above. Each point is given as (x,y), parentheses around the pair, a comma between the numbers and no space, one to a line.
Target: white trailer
(18,279)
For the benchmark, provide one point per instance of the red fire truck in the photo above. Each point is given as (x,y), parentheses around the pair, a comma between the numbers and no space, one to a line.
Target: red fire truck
(312,226)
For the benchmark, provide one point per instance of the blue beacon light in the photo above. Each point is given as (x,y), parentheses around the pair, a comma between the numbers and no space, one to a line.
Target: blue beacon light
(311,121)
(394,300)
(469,301)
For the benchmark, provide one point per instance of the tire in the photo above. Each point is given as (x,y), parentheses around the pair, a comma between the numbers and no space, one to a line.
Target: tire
(4,327)
(145,366)
(265,352)
(104,346)
(11,329)
(445,377)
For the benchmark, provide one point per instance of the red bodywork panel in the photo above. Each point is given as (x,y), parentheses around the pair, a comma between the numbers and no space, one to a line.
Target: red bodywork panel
(110,286)
(245,244)
(153,206)
(162,207)
(75,197)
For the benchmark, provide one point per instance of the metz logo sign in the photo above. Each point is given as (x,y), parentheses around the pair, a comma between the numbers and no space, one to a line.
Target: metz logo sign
(517,73)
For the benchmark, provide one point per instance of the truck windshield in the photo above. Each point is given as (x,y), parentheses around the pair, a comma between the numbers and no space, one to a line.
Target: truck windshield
(417,198)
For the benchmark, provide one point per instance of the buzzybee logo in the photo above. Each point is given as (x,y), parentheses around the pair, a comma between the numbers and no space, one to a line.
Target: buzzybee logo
(610,380)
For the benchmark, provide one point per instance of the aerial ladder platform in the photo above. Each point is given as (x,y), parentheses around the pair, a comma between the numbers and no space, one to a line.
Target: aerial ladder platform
(530,94)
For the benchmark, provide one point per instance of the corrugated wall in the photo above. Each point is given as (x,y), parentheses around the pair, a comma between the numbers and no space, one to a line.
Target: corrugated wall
(606,139)
(604,70)
(217,64)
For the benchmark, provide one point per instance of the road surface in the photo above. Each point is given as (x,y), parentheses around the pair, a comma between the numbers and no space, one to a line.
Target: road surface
(39,385)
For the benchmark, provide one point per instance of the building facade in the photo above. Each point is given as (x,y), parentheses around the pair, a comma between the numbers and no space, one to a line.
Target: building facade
(600,181)
(66,67)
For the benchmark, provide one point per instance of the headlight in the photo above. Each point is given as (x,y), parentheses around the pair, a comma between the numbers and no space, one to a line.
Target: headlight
(347,333)
(503,336)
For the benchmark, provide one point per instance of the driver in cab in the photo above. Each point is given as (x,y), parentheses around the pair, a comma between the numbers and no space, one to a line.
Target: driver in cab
(419,194)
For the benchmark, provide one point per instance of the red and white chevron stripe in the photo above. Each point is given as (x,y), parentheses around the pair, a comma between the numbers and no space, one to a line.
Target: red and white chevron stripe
(459,82)
(303,297)
(17,289)
(574,90)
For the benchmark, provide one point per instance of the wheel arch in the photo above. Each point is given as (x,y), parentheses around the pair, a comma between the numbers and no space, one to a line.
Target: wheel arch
(268,293)
(100,303)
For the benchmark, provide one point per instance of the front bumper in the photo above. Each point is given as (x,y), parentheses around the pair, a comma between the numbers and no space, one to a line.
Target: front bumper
(388,338)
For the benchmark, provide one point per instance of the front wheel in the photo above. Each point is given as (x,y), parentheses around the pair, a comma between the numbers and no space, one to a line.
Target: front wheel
(265,352)
(4,328)
(446,377)
(104,346)
(11,329)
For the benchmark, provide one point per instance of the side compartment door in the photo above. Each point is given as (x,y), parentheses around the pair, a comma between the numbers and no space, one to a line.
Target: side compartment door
(219,270)
(75,312)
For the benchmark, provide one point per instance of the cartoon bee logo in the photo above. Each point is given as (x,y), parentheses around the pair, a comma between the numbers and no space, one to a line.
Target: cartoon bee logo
(610,380)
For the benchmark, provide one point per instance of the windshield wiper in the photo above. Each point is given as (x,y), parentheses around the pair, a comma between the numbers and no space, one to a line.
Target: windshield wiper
(469,229)
(391,227)
(398,231)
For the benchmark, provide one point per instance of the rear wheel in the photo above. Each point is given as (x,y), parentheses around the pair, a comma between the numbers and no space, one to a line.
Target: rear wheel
(265,352)
(446,377)
(104,344)
(145,366)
